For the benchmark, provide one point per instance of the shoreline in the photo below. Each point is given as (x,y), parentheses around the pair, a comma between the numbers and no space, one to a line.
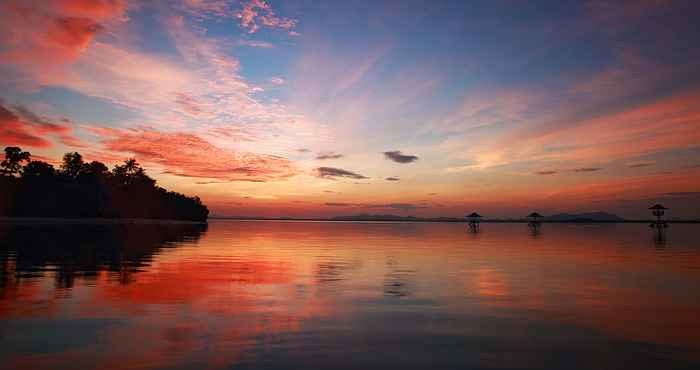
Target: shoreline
(96,221)
(450,220)
(152,221)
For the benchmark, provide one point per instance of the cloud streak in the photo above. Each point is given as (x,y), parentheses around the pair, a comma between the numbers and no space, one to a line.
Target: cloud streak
(399,157)
(20,126)
(386,206)
(328,155)
(333,173)
(639,165)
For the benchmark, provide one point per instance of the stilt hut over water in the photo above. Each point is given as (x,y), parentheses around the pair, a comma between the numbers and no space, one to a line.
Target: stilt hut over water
(473,219)
(658,211)
(534,220)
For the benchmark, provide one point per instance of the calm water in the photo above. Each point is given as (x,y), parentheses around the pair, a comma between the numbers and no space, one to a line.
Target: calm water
(285,295)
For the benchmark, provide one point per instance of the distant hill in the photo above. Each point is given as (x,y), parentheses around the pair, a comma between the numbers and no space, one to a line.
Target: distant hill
(583,217)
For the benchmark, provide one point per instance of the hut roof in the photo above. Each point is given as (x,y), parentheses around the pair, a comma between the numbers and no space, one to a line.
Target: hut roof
(474,214)
(534,214)
(657,206)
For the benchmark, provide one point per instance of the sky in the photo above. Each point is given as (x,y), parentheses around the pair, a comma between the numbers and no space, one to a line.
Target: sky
(315,109)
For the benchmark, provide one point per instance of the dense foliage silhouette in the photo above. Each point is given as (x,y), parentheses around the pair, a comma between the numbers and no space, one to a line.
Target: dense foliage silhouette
(79,189)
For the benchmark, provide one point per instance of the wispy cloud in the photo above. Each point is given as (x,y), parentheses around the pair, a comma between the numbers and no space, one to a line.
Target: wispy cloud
(207,8)
(36,35)
(386,206)
(399,157)
(328,155)
(392,178)
(640,164)
(256,13)
(277,81)
(188,155)
(20,126)
(682,194)
(550,172)
(197,89)
(587,169)
(332,173)
(255,43)
(398,206)
(455,169)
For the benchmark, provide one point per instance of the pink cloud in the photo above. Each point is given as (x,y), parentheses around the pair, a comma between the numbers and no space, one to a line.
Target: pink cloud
(529,125)
(670,123)
(233,133)
(205,8)
(188,104)
(277,81)
(199,86)
(256,12)
(255,44)
(19,126)
(73,33)
(96,9)
(39,33)
(188,155)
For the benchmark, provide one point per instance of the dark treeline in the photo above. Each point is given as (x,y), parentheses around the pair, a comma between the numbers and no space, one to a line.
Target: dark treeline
(30,188)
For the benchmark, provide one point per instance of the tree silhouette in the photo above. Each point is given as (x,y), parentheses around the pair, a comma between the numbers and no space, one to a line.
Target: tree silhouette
(131,173)
(12,165)
(93,172)
(82,189)
(72,164)
(38,169)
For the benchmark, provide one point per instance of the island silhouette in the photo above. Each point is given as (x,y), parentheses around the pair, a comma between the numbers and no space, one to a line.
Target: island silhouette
(79,189)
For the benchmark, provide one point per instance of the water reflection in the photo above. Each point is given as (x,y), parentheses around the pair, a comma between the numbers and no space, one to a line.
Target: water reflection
(70,251)
(280,295)
(660,237)
(535,228)
(398,279)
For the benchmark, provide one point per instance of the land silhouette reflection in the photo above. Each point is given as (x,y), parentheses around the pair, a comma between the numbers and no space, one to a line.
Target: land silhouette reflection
(83,250)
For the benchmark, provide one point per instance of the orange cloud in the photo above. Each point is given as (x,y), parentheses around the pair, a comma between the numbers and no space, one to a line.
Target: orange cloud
(189,155)
(96,9)
(20,127)
(671,123)
(38,34)
(15,132)
(73,33)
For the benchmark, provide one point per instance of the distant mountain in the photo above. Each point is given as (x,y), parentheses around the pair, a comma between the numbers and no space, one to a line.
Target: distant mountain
(583,217)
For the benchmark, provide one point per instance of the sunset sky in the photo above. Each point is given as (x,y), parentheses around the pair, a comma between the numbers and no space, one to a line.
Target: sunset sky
(315,109)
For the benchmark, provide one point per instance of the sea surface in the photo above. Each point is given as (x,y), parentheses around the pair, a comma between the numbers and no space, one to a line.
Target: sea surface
(348,295)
